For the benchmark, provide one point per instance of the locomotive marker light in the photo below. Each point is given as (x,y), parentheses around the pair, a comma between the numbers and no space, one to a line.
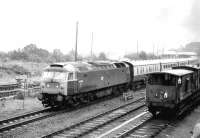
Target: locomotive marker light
(48,85)
(165,94)
(57,86)
(179,81)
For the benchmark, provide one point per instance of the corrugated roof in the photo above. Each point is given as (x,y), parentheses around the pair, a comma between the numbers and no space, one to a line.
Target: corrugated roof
(177,72)
(188,67)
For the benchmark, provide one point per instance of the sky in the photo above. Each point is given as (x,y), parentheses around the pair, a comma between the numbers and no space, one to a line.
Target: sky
(117,25)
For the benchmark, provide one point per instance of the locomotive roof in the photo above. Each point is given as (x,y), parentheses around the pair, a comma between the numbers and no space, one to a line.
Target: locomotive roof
(176,72)
(82,66)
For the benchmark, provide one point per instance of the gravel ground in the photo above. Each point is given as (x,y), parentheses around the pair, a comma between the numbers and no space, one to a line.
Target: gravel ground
(13,107)
(183,128)
(49,125)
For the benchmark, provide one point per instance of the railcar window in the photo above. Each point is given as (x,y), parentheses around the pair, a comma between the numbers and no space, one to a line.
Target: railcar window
(162,79)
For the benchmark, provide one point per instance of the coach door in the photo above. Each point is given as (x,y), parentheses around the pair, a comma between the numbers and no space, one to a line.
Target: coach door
(198,79)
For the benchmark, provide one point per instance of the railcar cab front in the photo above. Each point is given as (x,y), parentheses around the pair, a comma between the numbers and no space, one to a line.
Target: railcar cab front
(166,89)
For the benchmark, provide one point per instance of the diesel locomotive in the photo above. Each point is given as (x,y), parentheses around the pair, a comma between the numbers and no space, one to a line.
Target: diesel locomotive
(74,82)
(77,82)
(172,90)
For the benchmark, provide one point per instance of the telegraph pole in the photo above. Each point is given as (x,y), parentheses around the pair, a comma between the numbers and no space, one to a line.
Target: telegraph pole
(92,46)
(162,51)
(153,48)
(157,50)
(76,53)
(137,47)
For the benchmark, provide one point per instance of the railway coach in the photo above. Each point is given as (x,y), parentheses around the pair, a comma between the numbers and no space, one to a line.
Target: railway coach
(170,91)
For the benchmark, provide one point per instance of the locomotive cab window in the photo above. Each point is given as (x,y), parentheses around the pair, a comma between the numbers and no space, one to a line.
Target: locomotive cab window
(54,74)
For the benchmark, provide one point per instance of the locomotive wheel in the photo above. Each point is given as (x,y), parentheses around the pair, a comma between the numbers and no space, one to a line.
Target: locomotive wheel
(91,97)
(83,99)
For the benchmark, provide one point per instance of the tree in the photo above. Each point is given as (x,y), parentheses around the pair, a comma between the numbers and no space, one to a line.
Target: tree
(143,55)
(58,55)
(132,56)
(102,56)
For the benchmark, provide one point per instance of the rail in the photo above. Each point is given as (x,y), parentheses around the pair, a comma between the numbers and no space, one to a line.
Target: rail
(94,122)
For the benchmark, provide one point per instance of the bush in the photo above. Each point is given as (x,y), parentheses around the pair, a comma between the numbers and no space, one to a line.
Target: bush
(19,96)
(19,70)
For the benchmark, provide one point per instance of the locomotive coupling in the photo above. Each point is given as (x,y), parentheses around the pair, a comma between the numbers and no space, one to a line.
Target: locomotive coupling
(59,98)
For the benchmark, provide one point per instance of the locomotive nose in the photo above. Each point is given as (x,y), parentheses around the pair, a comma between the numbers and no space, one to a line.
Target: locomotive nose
(52,88)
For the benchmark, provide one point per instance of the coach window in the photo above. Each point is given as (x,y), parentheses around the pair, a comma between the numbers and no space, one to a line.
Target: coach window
(142,70)
(135,70)
(70,76)
(186,84)
(138,70)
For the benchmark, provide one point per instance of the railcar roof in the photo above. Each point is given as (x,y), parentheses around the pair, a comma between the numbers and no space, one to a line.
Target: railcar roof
(176,72)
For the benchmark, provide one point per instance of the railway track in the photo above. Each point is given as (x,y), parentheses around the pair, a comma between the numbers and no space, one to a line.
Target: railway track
(19,121)
(145,126)
(142,127)
(88,125)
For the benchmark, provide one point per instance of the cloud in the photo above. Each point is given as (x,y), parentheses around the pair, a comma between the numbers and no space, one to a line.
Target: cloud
(193,20)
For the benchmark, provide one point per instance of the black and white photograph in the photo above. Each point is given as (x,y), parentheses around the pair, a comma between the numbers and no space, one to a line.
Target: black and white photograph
(99,69)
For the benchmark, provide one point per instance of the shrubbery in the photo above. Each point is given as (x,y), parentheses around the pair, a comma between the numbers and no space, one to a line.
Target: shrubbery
(31,53)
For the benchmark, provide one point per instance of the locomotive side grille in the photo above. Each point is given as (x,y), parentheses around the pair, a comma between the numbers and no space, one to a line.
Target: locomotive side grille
(71,87)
